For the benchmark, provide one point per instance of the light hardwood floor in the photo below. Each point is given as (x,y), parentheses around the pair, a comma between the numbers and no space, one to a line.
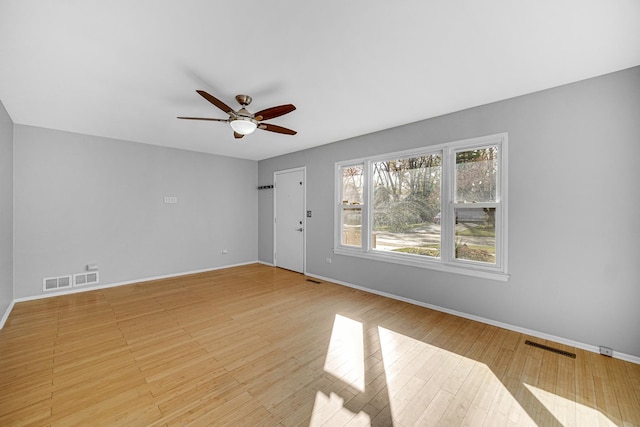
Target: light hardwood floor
(256,345)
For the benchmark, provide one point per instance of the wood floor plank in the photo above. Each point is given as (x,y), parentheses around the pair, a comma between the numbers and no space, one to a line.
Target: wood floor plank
(180,373)
(130,407)
(298,407)
(622,383)
(210,410)
(35,412)
(256,345)
(215,384)
(94,391)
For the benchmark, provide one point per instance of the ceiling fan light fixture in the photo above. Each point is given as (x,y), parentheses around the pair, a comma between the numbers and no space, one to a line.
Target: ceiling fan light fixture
(243,125)
(242,122)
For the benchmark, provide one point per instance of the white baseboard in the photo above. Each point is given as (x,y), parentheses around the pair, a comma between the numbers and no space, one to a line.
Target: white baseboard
(6,314)
(537,334)
(128,282)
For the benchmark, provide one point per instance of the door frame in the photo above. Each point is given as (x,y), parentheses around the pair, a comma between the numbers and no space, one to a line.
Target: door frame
(304,216)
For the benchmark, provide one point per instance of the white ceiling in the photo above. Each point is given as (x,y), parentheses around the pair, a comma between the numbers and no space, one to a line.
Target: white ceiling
(126,69)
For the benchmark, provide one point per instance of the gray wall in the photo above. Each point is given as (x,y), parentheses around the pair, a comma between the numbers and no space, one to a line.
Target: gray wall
(6,210)
(81,199)
(574,233)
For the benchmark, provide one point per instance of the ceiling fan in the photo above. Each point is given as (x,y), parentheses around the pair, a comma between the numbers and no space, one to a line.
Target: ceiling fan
(242,121)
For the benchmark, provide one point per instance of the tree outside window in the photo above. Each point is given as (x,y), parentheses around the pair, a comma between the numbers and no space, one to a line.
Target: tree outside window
(441,207)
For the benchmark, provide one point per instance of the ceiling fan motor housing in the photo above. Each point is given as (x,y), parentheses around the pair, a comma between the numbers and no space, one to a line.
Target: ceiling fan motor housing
(243,100)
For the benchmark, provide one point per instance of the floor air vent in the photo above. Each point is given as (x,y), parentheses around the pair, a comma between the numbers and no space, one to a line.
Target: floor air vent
(554,350)
(53,283)
(314,281)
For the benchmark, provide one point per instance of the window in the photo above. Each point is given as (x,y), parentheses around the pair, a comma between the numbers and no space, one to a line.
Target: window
(351,204)
(440,207)
(406,198)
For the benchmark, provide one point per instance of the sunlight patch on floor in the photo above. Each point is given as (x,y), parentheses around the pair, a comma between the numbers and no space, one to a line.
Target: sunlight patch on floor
(329,410)
(560,406)
(345,356)
(426,384)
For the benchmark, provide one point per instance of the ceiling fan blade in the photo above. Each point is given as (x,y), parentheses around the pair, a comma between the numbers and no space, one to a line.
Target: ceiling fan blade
(276,128)
(237,135)
(215,101)
(204,118)
(274,112)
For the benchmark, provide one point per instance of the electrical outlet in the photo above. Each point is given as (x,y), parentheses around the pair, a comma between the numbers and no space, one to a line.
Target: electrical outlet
(327,260)
(224,252)
(606,351)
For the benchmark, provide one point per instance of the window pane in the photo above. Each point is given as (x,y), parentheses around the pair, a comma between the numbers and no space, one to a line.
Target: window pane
(352,180)
(476,234)
(406,204)
(476,172)
(352,226)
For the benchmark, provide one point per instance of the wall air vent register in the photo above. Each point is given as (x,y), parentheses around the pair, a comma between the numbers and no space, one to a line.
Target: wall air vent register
(68,281)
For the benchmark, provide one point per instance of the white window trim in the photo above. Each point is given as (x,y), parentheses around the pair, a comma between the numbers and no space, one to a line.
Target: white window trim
(446,262)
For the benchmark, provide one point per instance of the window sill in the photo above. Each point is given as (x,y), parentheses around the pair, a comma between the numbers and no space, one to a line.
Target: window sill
(421,262)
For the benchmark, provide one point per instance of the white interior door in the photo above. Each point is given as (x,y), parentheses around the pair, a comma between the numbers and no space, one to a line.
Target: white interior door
(289,219)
